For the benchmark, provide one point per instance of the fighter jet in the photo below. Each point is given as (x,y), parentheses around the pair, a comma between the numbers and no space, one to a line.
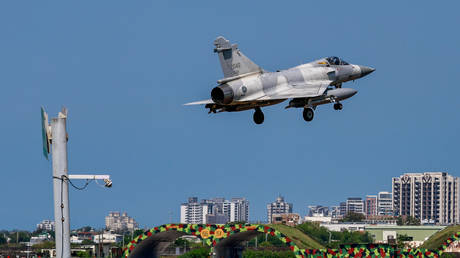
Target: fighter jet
(247,86)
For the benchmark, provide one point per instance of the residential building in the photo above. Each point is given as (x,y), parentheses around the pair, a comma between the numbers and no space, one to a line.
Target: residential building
(85,235)
(289,219)
(214,211)
(194,212)
(432,197)
(239,210)
(278,207)
(385,204)
(216,219)
(371,205)
(335,211)
(46,225)
(317,211)
(40,238)
(75,240)
(342,209)
(107,238)
(120,222)
(355,204)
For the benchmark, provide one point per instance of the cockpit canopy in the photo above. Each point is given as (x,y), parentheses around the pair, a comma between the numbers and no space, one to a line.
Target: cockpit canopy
(333,60)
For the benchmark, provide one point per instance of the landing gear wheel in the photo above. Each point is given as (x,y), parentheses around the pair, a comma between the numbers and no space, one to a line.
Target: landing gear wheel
(308,114)
(258,116)
(338,106)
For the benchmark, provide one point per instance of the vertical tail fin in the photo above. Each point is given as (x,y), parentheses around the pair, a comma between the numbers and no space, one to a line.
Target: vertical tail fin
(232,60)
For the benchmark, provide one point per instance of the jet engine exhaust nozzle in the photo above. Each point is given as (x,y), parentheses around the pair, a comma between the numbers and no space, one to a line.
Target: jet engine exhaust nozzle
(222,94)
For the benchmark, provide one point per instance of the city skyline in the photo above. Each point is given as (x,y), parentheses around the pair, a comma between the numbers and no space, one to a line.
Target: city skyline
(126,68)
(303,210)
(381,209)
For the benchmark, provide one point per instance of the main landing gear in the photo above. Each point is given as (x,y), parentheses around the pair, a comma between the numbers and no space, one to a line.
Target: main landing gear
(338,106)
(308,114)
(258,116)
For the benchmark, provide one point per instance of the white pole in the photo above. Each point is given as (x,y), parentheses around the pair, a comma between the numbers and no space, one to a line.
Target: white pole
(60,185)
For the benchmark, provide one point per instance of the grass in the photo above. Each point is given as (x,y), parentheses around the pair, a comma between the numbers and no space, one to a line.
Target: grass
(302,241)
(436,240)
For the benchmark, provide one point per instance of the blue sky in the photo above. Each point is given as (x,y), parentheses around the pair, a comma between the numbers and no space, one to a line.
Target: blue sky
(124,69)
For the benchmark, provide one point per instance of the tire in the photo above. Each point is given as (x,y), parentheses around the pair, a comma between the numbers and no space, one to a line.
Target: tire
(308,114)
(258,117)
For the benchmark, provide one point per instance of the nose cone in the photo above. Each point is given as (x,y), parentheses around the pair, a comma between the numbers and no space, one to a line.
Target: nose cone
(365,70)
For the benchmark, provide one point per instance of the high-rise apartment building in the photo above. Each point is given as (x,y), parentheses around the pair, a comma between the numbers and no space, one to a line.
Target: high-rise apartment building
(278,207)
(370,207)
(355,205)
(385,204)
(120,222)
(214,211)
(429,196)
(194,212)
(239,210)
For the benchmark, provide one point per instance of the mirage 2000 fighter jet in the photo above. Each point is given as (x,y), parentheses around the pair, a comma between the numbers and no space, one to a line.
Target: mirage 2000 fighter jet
(247,86)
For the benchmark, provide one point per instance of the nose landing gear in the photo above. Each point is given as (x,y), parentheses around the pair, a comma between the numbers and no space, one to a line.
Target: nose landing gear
(258,116)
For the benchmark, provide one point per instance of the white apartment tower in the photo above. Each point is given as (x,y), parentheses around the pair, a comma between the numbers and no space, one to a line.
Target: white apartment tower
(194,212)
(429,196)
(239,210)
(385,204)
(278,207)
(224,211)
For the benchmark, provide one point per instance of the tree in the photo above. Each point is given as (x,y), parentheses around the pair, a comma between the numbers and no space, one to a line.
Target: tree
(322,234)
(353,217)
(401,238)
(407,221)
(83,254)
(87,242)
(314,230)
(44,245)
(19,236)
(85,229)
(197,253)
(2,239)
(265,244)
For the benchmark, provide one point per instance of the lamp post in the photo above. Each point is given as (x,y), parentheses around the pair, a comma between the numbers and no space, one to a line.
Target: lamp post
(56,135)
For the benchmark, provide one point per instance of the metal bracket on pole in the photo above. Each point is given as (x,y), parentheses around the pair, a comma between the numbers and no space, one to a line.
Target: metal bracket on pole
(90,177)
(106,178)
